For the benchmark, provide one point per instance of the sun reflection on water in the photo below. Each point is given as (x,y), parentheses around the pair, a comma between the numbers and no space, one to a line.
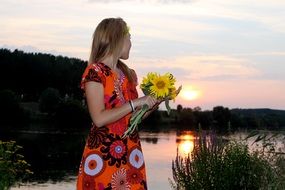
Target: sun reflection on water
(185,143)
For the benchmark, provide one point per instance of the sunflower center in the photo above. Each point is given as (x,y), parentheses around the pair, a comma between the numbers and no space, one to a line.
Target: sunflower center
(160,84)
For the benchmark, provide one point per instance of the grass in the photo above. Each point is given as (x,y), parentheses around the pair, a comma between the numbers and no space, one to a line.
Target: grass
(227,165)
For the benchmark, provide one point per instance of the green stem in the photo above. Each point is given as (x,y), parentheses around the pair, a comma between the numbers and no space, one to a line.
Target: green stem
(135,120)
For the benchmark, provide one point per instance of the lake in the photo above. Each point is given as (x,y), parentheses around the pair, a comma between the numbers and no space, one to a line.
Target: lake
(55,156)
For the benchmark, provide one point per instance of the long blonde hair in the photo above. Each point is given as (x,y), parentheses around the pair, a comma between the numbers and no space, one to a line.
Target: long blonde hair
(108,40)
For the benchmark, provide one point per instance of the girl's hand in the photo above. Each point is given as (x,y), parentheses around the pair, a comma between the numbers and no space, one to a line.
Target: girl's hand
(148,100)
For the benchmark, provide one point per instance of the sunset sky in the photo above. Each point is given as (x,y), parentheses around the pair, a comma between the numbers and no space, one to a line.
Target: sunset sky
(223,52)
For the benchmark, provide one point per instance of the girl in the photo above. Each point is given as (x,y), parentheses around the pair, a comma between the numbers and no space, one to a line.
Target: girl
(110,161)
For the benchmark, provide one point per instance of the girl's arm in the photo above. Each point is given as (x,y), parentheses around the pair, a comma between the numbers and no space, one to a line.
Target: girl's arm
(100,116)
(155,107)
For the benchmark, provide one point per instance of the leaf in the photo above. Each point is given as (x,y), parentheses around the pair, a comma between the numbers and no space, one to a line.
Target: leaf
(167,106)
(274,135)
(259,138)
(251,134)
(178,90)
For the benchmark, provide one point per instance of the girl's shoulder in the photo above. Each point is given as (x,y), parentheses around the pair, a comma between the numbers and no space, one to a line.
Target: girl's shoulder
(97,72)
(100,67)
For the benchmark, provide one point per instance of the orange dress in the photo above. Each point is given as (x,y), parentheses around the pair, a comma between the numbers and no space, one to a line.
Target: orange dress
(108,161)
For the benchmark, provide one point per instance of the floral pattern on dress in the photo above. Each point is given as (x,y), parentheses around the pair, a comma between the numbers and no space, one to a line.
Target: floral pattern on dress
(88,183)
(101,186)
(96,136)
(93,76)
(135,157)
(134,136)
(144,184)
(134,176)
(111,150)
(113,100)
(93,164)
(105,69)
(119,180)
(108,161)
(119,127)
(118,149)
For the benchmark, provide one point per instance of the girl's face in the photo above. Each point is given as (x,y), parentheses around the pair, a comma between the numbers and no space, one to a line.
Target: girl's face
(126,47)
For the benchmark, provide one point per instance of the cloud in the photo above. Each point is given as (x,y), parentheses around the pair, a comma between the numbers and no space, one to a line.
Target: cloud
(144,1)
(202,67)
(33,49)
(172,29)
(218,67)
(264,53)
(266,12)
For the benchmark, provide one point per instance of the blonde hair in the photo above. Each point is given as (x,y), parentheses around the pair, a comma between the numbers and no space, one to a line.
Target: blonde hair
(108,39)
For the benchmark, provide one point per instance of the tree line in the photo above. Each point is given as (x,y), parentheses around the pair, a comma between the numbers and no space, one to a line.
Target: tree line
(29,74)
(44,87)
(221,119)
(39,86)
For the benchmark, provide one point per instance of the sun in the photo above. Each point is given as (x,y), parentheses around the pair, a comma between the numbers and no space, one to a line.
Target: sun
(189,93)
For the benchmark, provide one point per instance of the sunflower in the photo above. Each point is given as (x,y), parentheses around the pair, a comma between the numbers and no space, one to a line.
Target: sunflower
(146,83)
(171,78)
(160,86)
(172,93)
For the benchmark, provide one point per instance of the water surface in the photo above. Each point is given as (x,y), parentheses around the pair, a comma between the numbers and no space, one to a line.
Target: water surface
(55,156)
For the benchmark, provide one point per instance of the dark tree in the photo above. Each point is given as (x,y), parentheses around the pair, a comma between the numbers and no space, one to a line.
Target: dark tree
(221,118)
(49,100)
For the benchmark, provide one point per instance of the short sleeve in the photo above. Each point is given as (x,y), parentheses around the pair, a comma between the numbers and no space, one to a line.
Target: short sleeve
(92,73)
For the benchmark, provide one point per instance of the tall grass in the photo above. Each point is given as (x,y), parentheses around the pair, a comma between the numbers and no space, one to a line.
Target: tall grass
(226,165)
(13,167)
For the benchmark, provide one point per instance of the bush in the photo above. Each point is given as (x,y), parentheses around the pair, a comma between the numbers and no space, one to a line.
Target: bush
(214,164)
(49,100)
(11,112)
(271,145)
(13,167)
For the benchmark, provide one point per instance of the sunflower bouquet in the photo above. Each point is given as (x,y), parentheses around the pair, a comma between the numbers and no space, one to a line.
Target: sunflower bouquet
(162,87)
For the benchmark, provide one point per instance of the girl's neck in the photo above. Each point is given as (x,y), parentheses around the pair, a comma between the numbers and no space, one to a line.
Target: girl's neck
(110,62)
